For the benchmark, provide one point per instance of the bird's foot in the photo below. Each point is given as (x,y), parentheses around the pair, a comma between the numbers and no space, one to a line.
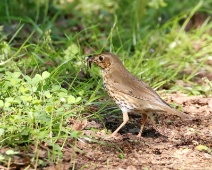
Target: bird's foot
(139,135)
(132,137)
(113,137)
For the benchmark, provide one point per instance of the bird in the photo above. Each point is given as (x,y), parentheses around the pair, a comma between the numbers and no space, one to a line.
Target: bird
(130,93)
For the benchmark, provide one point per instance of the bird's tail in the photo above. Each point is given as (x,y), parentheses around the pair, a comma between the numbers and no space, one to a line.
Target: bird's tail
(177,112)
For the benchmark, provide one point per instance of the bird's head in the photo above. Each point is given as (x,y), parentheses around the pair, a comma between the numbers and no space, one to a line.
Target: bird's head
(104,60)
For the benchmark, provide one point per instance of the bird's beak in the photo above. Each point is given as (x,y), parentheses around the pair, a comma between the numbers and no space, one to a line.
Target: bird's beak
(89,61)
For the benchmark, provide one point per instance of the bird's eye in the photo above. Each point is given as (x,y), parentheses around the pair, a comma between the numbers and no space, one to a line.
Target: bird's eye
(101,58)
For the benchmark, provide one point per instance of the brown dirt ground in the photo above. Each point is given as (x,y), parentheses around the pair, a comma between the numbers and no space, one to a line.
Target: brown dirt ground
(167,142)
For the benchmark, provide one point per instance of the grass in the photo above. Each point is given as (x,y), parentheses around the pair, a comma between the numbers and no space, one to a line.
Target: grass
(43,71)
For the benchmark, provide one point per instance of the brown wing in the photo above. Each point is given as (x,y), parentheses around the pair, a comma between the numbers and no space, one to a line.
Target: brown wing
(128,84)
(131,85)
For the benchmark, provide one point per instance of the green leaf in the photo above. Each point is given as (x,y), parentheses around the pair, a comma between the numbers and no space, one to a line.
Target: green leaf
(16,74)
(34,88)
(11,152)
(22,89)
(71,99)
(1,158)
(203,148)
(14,81)
(81,92)
(1,132)
(47,94)
(1,103)
(49,109)
(28,79)
(121,156)
(40,134)
(7,104)
(36,101)
(78,99)
(75,134)
(45,75)
(74,49)
(55,88)
(36,79)
(71,51)
(26,98)
(9,99)
(62,94)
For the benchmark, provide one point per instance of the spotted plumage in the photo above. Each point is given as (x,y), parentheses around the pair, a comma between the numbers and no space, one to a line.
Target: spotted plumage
(129,93)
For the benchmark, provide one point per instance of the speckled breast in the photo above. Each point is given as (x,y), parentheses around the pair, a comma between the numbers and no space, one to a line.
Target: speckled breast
(122,100)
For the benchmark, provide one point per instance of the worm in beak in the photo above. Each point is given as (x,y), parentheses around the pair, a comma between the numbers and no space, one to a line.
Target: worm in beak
(89,61)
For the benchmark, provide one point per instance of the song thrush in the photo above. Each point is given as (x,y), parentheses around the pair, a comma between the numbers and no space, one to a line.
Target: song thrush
(129,93)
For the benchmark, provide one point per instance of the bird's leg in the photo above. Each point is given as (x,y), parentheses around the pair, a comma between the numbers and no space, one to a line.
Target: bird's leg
(144,116)
(125,120)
